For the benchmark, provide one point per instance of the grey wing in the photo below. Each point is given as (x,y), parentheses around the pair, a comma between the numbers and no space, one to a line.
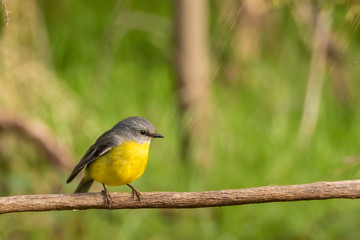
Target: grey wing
(99,148)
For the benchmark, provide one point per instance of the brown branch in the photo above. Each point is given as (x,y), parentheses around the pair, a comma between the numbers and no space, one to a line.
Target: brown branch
(40,135)
(82,201)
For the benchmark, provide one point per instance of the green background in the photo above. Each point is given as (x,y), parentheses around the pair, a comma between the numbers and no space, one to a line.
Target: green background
(81,66)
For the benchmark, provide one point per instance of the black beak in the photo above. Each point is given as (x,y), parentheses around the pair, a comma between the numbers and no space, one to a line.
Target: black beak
(156,135)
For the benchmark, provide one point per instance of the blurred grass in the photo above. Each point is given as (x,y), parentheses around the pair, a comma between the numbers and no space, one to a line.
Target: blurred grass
(253,136)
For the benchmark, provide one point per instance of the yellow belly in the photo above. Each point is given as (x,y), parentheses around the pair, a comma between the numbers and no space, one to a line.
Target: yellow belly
(121,165)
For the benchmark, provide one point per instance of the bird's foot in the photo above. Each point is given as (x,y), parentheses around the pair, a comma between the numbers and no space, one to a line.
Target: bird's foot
(108,199)
(135,192)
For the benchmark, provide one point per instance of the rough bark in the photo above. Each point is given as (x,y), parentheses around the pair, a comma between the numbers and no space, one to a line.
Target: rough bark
(289,193)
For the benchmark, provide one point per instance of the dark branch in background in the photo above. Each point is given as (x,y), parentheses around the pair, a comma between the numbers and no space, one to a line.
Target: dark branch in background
(312,191)
(39,134)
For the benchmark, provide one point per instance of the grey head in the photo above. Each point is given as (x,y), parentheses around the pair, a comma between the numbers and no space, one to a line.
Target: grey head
(137,129)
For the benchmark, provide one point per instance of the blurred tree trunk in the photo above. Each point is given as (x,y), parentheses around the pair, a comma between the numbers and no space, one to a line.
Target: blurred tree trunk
(306,14)
(311,111)
(248,23)
(192,60)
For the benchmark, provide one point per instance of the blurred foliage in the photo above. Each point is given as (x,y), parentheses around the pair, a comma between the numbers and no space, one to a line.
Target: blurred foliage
(81,66)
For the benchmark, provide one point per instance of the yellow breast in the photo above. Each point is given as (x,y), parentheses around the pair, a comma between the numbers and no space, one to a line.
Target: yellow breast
(121,165)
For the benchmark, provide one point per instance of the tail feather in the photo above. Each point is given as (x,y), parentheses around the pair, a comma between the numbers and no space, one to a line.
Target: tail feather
(84,185)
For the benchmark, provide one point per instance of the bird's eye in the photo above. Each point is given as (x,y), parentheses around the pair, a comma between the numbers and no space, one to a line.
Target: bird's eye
(142,132)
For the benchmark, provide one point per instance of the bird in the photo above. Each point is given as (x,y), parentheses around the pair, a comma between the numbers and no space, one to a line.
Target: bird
(118,157)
